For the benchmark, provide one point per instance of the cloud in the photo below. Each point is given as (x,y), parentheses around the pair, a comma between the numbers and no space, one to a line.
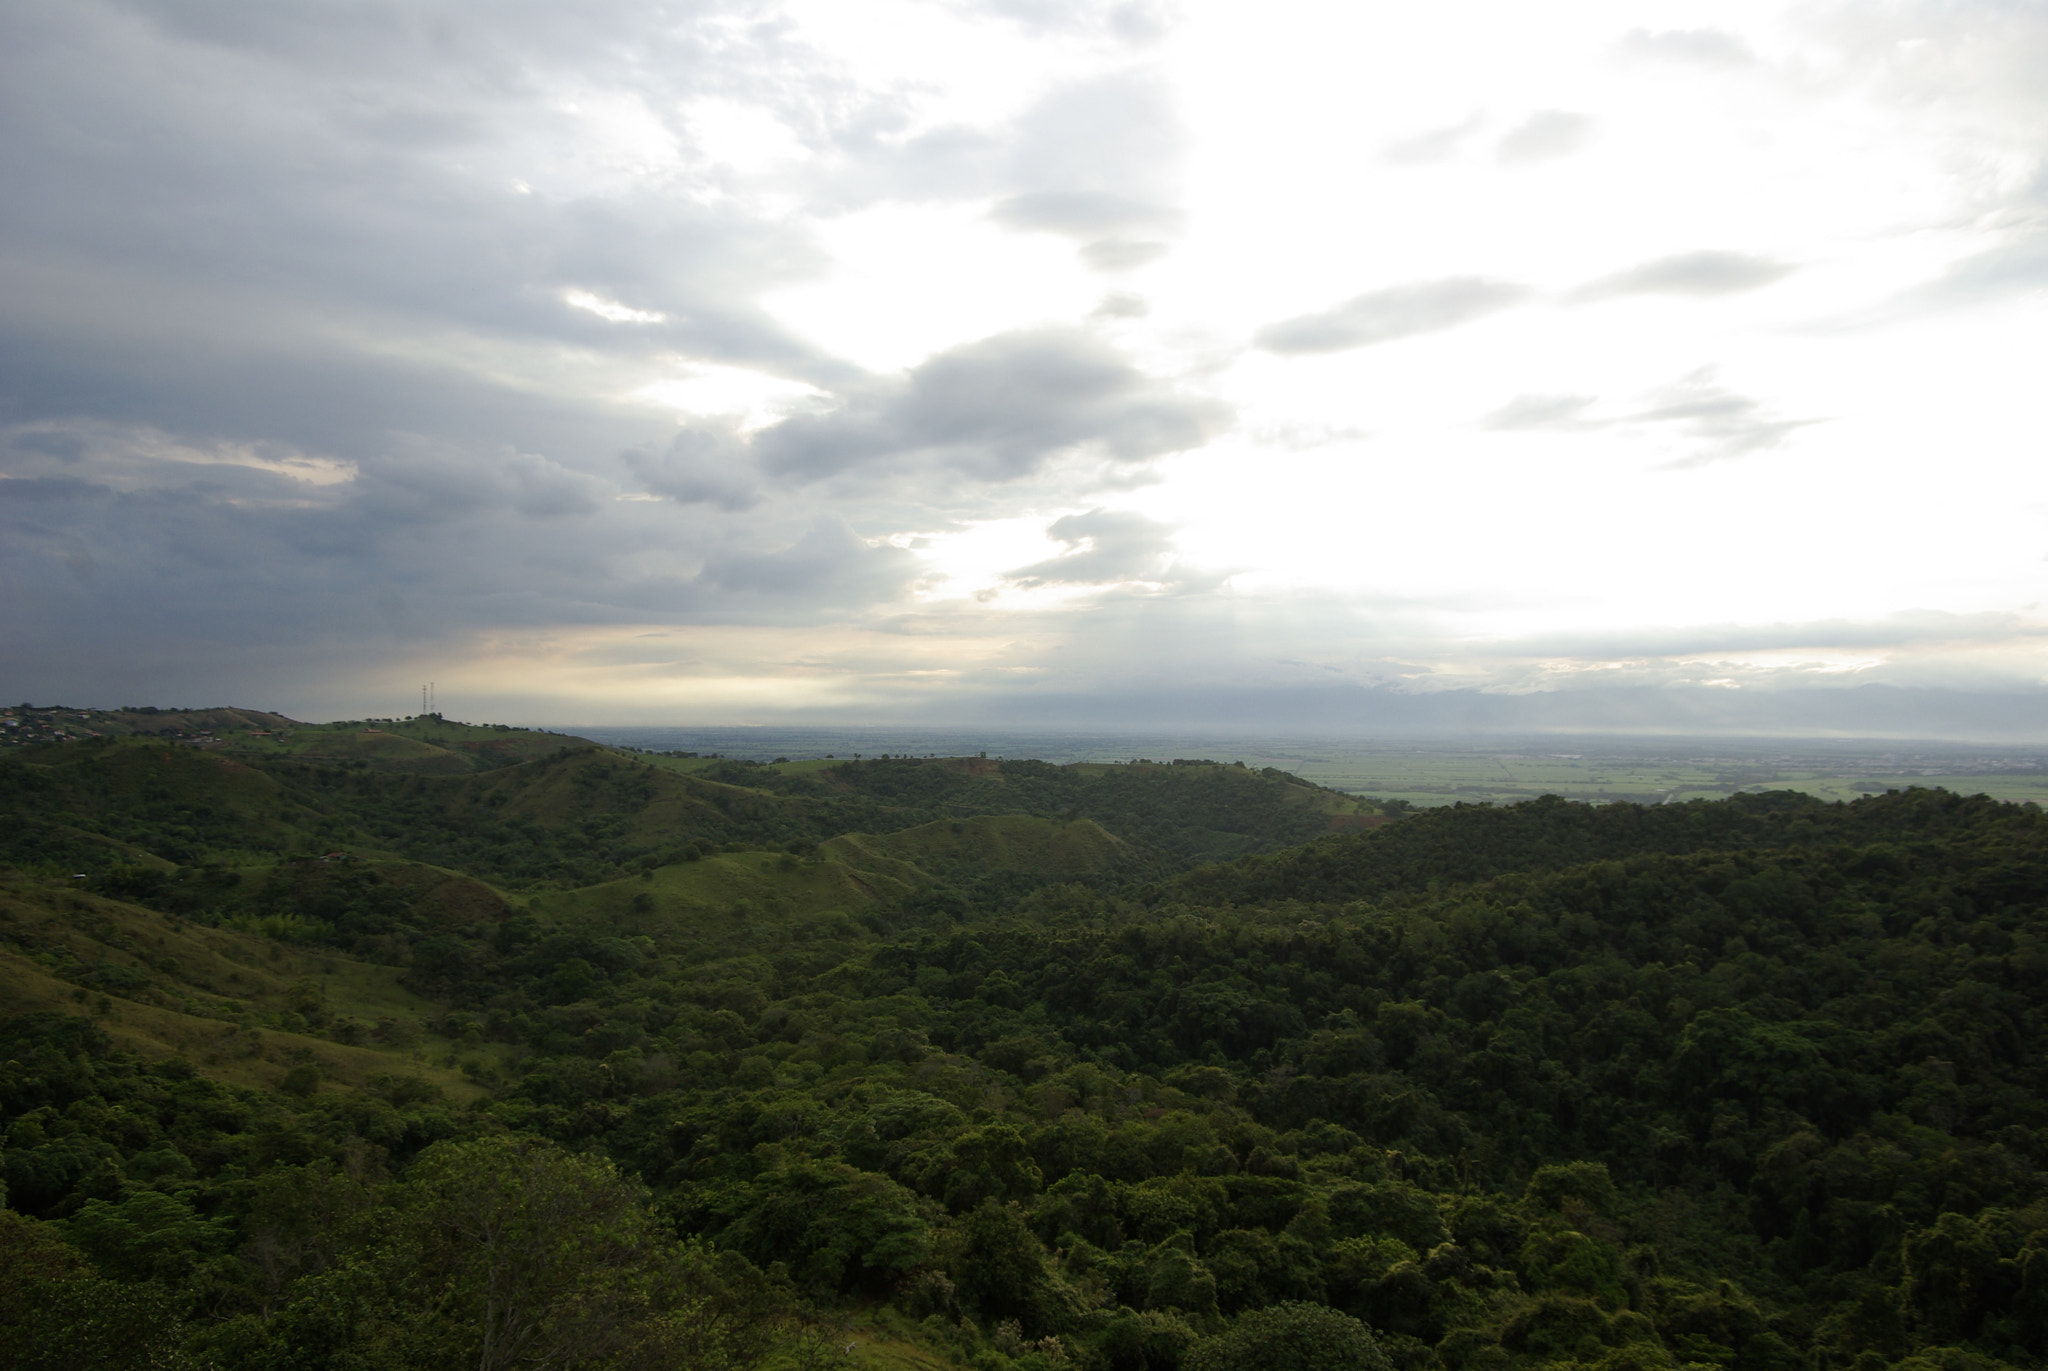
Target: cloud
(68,447)
(2013,269)
(1122,254)
(828,565)
(1434,145)
(1917,627)
(1703,47)
(997,410)
(50,490)
(334,339)
(611,310)
(1083,214)
(1397,312)
(1526,412)
(1689,273)
(1097,160)
(1104,547)
(1709,421)
(1134,21)
(261,241)
(1543,136)
(1120,304)
(1116,136)
(423,480)
(1718,422)
(335,331)
(707,463)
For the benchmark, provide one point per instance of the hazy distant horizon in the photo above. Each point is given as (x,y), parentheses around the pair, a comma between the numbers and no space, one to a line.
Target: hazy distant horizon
(765,742)
(1501,768)
(1873,714)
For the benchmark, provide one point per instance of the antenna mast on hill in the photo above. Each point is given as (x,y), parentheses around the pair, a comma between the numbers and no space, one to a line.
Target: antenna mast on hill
(423,697)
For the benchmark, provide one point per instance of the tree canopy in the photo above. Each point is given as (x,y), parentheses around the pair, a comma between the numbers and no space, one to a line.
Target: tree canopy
(1755,1085)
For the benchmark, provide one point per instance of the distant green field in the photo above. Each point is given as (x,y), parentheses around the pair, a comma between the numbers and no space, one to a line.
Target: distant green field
(1650,772)
(1429,771)
(1647,772)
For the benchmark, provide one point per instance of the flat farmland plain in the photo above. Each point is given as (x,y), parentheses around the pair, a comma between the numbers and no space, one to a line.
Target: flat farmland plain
(1500,769)
(1653,771)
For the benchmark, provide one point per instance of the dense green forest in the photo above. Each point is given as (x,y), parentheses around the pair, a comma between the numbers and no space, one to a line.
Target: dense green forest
(1004,1065)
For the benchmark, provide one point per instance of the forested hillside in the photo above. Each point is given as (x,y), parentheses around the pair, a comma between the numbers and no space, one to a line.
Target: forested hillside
(594,1059)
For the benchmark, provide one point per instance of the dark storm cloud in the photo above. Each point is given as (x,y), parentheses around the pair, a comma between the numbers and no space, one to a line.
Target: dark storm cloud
(314,195)
(228,554)
(1104,547)
(303,226)
(292,225)
(996,410)
(66,446)
(30,490)
(1397,312)
(1689,273)
(287,363)
(1543,136)
(289,358)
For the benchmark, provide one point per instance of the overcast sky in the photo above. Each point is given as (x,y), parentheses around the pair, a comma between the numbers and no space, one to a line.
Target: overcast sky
(1028,361)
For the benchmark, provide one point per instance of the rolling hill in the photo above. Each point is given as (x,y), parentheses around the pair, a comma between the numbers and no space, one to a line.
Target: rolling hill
(1007,1065)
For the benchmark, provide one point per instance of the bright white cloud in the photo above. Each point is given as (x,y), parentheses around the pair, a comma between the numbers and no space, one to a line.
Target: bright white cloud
(705,388)
(611,309)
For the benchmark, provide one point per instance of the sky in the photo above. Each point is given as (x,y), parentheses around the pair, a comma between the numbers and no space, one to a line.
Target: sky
(1642,366)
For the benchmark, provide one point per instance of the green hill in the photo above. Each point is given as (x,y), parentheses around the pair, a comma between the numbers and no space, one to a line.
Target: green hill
(1004,1065)
(1463,843)
(231,999)
(1022,843)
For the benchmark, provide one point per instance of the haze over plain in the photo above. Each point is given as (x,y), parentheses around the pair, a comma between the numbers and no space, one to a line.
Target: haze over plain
(1662,366)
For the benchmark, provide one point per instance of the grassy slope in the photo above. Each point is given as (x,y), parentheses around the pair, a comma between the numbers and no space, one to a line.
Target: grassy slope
(423,745)
(848,874)
(418,747)
(220,722)
(196,985)
(724,893)
(212,995)
(128,802)
(988,842)
(571,813)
